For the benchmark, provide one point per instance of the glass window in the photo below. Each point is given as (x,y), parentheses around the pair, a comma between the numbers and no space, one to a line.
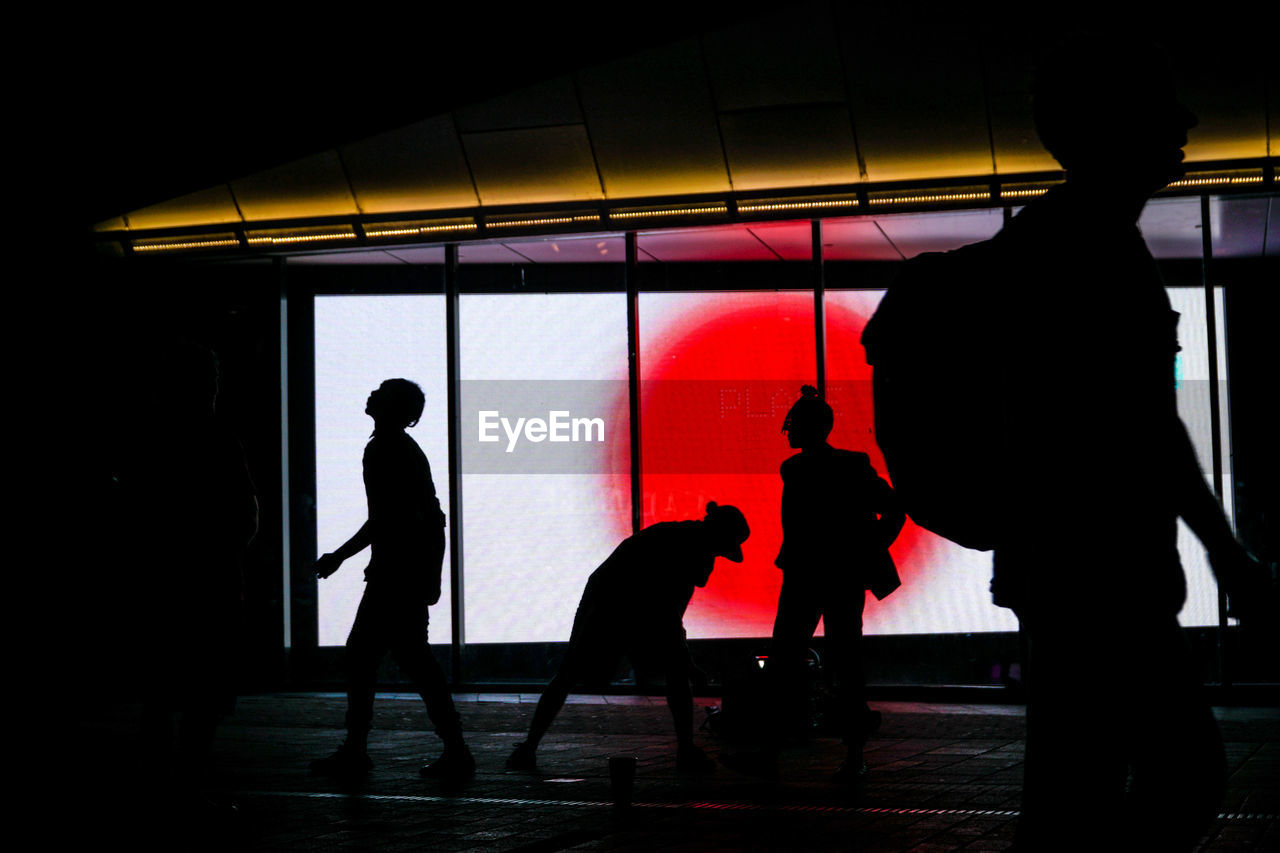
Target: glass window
(945,588)
(718,373)
(560,249)
(545,429)
(1171,227)
(896,236)
(540,516)
(1245,227)
(1195,407)
(915,233)
(359,342)
(766,241)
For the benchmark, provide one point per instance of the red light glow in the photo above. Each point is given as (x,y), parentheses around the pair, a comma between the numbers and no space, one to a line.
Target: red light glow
(719,372)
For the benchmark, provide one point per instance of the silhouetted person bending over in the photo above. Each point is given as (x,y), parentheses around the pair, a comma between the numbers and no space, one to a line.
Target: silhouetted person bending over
(838,520)
(405,532)
(1096,468)
(634,605)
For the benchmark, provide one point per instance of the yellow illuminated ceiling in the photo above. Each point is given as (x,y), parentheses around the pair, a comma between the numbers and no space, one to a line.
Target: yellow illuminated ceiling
(773,104)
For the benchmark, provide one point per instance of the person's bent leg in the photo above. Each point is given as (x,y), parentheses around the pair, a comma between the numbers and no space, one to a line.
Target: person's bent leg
(549,705)
(784,705)
(366,645)
(553,697)
(407,630)
(677,667)
(843,620)
(1075,766)
(574,668)
(796,620)
(412,652)
(590,644)
(680,703)
(1179,763)
(673,657)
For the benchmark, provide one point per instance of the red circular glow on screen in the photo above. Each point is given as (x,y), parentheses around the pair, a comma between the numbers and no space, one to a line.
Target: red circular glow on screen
(717,381)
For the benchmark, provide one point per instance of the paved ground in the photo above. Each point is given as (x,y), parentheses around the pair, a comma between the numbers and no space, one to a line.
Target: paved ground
(942,777)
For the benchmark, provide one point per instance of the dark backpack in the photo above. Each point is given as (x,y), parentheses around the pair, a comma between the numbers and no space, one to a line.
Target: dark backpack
(935,386)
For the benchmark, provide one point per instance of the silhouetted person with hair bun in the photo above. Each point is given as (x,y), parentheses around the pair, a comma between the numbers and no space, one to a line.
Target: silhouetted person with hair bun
(838,520)
(405,532)
(1092,468)
(633,606)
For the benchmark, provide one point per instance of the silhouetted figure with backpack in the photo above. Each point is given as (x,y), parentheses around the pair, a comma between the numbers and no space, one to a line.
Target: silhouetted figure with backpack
(1061,369)
(405,532)
(838,520)
(633,606)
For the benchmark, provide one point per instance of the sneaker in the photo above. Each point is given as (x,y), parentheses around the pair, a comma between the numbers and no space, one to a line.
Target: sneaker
(454,763)
(345,762)
(693,760)
(523,757)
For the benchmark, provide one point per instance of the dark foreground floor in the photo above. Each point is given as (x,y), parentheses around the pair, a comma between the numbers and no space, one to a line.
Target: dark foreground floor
(942,777)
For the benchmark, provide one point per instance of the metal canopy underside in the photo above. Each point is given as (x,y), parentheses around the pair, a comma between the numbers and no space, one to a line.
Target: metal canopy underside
(790,107)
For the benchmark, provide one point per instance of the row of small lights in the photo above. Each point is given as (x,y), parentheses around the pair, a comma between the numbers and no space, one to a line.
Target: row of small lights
(288,239)
(926,199)
(544,220)
(1023,193)
(771,207)
(414,230)
(755,207)
(684,210)
(1204,182)
(185,244)
(670,211)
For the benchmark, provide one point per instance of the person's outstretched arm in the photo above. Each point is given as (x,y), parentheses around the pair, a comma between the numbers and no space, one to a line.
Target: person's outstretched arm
(892,516)
(1247,582)
(331,562)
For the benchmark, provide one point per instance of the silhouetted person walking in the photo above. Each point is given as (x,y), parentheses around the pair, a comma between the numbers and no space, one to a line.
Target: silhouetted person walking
(633,606)
(1095,468)
(838,520)
(186,487)
(405,531)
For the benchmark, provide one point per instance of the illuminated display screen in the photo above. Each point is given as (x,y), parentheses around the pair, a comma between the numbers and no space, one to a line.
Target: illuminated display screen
(532,538)
(360,341)
(1194,407)
(718,373)
(945,588)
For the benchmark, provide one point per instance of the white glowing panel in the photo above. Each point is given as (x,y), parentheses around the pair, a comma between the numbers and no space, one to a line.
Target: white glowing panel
(1195,407)
(532,538)
(945,588)
(718,371)
(359,342)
